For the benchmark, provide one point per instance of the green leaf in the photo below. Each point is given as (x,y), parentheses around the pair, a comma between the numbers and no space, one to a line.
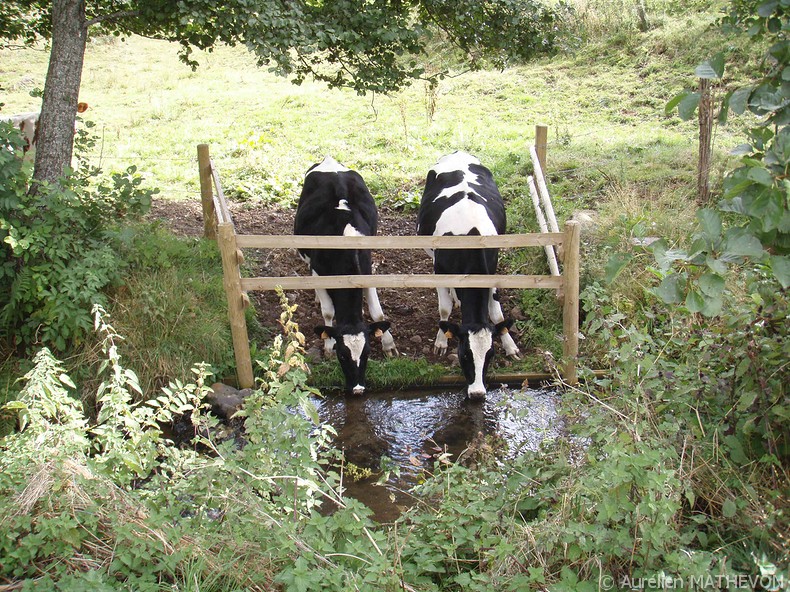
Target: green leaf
(739,100)
(711,284)
(712,69)
(66,379)
(766,9)
(710,224)
(780,264)
(737,453)
(695,302)
(742,150)
(739,242)
(670,289)
(688,106)
(716,265)
(729,509)
(760,175)
(617,262)
(674,101)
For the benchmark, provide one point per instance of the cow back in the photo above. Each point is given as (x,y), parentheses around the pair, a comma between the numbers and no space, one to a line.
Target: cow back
(336,202)
(462,199)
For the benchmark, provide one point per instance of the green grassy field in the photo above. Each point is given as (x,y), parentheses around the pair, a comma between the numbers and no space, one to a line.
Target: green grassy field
(605,114)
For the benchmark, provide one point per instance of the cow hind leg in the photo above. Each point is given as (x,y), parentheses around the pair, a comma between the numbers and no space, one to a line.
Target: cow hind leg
(445,308)
(328,312)
(377,314)
(496,316)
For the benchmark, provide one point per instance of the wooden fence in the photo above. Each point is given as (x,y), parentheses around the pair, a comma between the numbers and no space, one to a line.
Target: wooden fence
(219,224)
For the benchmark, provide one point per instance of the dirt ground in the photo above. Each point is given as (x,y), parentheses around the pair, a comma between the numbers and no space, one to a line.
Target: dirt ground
(413,312)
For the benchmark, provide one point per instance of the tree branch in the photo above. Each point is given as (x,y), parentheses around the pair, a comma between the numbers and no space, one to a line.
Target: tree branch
(113,16)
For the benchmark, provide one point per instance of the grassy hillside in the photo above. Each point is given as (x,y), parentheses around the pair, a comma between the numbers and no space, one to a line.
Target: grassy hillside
(602,103)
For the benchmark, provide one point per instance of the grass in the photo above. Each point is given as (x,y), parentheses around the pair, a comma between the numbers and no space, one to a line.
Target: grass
(605,117)
(659,463)
(387,374)
(611,149)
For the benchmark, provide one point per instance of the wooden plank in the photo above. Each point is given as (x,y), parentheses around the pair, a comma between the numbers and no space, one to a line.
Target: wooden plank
(570,306)
(206,193)
(289,241)
(223,203)
(551,257)
(402,281)
(543,191)
(238,324)
(218,211)
(541,143)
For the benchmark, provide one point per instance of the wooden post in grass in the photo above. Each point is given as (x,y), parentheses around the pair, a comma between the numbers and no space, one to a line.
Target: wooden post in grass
(541,141)
(206,193)
(570,305)
(237,300)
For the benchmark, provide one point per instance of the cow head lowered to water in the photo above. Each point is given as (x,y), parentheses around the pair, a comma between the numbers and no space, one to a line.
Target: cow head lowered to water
(336,202)
(461,198)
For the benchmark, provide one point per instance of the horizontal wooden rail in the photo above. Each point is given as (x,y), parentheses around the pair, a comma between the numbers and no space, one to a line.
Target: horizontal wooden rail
(236,287)
(303,241)
(221,205)
(402,281)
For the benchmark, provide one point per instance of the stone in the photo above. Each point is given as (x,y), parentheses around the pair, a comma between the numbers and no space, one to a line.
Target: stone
(226,400)
(314,354)
(587,219)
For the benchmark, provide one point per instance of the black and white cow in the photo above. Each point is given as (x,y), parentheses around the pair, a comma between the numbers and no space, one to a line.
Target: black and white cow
(336,202)
(461,198)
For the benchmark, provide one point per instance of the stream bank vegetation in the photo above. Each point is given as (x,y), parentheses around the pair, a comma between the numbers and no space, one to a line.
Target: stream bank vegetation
(684,478)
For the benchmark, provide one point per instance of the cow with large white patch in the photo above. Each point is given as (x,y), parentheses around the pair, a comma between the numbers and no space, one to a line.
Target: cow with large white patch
(336,202)
(461,198)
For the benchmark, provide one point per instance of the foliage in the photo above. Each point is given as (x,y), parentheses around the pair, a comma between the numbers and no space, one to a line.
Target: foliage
(756,194)
(371,47)
(59,248)
(673,473)
(171,308)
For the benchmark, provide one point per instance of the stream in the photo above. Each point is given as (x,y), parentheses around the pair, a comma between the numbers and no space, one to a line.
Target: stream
(412,427)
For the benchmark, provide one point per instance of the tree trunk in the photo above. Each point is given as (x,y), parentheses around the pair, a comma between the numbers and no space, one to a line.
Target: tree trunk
(55,140)
(641,14)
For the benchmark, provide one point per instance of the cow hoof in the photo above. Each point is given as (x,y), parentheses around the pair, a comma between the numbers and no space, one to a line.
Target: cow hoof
(391,353)
(439,351)
(476,397)
(516,355)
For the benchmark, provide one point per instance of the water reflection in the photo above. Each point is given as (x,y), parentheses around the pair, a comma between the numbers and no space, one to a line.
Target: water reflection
(411,427)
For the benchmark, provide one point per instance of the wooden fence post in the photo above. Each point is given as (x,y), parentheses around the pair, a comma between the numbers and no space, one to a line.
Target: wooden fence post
(570,306)
(206,193)
(541,141)
(236,303)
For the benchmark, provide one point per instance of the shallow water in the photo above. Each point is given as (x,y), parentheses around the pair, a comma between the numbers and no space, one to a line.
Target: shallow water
(412,427)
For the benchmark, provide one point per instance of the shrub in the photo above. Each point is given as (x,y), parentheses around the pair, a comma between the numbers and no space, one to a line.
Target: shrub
(60,248)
